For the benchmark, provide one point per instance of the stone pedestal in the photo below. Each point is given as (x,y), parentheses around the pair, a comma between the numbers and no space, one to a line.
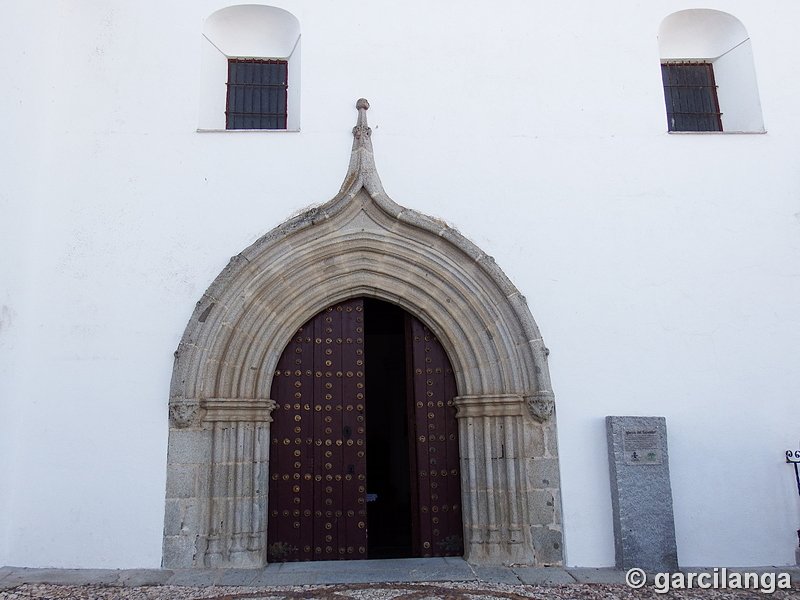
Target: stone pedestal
(641,495)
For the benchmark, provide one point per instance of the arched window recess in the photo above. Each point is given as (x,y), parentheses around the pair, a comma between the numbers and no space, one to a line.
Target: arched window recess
(708,73)
(250,73)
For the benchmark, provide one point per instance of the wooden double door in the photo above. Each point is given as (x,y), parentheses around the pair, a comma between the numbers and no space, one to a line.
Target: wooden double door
(364,450)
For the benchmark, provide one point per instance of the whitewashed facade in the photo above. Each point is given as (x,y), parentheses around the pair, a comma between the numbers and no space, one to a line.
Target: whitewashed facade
(661,268)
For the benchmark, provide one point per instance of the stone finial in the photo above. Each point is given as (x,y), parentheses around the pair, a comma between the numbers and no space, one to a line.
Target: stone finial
(362,162)
(362,132)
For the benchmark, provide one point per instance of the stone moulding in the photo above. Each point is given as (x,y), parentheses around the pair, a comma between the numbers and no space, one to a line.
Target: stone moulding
(185,413)
(250,411)
(362,243)
(489,406)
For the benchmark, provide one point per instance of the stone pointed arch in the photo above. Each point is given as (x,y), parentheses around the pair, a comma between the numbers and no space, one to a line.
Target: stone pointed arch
(361,243)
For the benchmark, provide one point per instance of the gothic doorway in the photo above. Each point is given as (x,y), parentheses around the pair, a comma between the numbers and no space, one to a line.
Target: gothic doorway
(362,244)
(364,446)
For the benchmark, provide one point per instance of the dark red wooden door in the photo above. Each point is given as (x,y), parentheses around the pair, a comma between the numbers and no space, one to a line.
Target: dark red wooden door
(317,453)
(435,476)
(318,466)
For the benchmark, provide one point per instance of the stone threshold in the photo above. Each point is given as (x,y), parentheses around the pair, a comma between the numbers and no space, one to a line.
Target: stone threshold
(405,570)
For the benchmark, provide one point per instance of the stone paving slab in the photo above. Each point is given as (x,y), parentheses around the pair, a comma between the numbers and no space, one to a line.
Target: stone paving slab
(194,577)
(239,577)
(275,579)
(18,576)
(543,575)
(393,576)
(496,575)
(140,577)
(587,575)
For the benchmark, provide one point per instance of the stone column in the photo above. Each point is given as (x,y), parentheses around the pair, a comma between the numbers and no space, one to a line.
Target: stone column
(218,473)
(510,508)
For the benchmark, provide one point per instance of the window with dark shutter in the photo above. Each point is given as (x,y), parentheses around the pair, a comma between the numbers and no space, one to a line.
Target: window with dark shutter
(256,94)
(691,96)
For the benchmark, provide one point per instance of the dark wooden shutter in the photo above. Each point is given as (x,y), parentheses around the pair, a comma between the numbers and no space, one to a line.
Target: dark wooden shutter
(690,93)
(435,477)
(257,92)
(317,494)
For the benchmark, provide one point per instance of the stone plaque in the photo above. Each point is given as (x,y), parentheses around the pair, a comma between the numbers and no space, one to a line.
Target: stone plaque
(641,495)
(642,445)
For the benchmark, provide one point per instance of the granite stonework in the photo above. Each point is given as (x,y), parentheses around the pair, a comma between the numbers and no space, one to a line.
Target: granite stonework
(641,495)
(217,468)
(361,243)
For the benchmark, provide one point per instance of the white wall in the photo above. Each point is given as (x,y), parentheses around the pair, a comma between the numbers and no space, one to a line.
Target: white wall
(662,270)
(24,112)
(738,97)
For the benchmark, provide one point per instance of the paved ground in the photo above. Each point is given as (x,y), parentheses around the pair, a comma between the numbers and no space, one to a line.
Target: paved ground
(401,579)
(323,572)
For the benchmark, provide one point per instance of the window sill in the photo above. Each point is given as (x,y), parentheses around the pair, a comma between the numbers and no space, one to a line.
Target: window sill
(247,130)
(717,132)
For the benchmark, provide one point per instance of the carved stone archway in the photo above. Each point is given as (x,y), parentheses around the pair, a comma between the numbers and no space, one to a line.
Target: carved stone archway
(360,243)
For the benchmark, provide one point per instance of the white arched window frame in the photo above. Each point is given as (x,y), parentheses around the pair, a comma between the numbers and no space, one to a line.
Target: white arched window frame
(248,31)
(721,40)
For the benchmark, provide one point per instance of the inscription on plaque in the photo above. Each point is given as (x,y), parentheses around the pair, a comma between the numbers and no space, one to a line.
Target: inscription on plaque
(642,446)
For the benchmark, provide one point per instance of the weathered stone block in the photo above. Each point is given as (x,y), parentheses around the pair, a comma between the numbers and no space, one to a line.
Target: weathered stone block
(189,446)
(543,473)
(181,481)
(179,552)
(533,441)
(172,517)
(641,495)
(548,545)
(542,507)
(204,481)
(182,517)
(191,515)
(550,438)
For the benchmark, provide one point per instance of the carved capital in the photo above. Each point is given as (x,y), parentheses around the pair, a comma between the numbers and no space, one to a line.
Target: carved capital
(541,405)
(237,409)
(184,413)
